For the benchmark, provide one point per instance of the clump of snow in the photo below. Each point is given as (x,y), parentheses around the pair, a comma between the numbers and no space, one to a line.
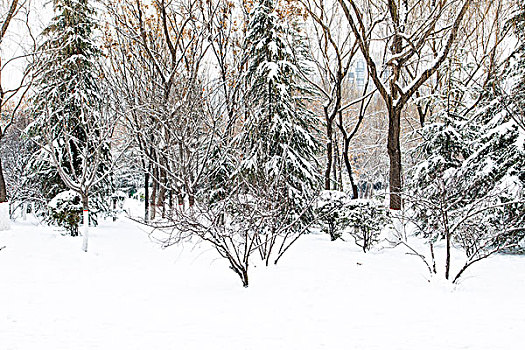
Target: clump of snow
(65,197)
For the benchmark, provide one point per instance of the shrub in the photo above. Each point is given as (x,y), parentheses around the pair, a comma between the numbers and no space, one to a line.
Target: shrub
(363,219)
(330,211)
(65,210)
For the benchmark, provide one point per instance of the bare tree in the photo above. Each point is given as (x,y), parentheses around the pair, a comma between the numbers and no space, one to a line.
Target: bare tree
(238,224)
(159,66)
(12,94)
(332,50)
(405,29)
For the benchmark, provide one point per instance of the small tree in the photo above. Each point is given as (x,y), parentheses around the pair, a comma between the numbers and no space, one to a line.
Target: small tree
(65,210)
(11,94)
(468,187)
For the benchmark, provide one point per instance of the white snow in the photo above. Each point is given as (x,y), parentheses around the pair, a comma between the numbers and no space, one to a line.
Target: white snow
(127,293)
(5,223)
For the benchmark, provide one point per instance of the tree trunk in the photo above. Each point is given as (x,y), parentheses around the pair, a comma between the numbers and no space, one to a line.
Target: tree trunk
(338,180)
(5,208)
(162,193)
(433,257)
(3,191)
(85,212)
(191,199)
(348,165)
(170,198)
(146,196)
(153,193)
(245,279)
(448,238)
(394,155)
(329,154)
(114,200)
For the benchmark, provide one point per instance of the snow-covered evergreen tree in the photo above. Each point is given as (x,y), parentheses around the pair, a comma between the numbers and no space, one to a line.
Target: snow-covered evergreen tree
(469,187)
(67,86)
(496,168)
(71,118)
(278,145)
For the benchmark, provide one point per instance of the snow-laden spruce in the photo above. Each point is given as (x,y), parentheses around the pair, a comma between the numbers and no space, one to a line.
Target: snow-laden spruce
(468,188)
(278,143)
(72,124)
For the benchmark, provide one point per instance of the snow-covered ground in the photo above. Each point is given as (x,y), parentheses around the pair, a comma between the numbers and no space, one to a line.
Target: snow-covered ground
(128,293)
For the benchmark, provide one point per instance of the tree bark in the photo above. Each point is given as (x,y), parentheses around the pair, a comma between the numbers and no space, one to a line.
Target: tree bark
(348,165)
(170,198)
(338,181)
(153,193)
(3,190)
(448,237)
(146,196)
(394,155)
(114,204)
(162,193)
(329,154)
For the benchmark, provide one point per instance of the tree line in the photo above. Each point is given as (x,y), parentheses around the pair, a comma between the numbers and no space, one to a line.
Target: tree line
(248,124)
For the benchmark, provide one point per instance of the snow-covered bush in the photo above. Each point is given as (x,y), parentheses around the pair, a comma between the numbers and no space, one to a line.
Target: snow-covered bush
(117,203)
(363,219)
(367,218)
(65,210)
(331,213)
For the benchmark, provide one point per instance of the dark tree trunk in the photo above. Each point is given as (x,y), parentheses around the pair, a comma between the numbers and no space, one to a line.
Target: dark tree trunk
(162,193)
(338,181)
(433,257)
(170,198)
(191,199)
(146,196)
(348,165)
(245,279)
(114,200)
(394,117)
(394,155)
(329,154)
(3,191)
(153,193)
(448,238)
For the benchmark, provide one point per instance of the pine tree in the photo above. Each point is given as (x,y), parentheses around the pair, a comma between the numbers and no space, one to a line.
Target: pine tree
(67,104)
(278,139)
(469,185)
(277,143)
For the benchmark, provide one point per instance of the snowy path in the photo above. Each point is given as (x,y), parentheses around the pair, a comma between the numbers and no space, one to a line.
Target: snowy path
(127,293)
